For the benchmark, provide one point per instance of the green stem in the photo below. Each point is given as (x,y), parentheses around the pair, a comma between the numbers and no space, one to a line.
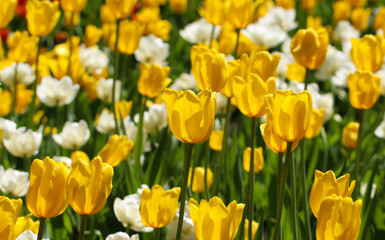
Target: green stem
(235,54)
(282,190)
(207,156)
(293,190)
(13,109)
(184,190)
(279,172)
(83,222)
(307,77)
(212,36)
(326,149)
(303,182)
(116,70)
(33,102)
(139,139)
(41,228)
(250,192)
(70,33)
(157,233)
(358,149)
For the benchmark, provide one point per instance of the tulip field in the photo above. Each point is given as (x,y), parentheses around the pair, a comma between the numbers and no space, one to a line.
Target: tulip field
(187,119)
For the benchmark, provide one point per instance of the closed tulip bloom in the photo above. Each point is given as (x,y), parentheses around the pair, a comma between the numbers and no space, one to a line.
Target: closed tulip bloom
(130,33)
(73,5)
(116,150)
(158,207)
(47,195)
(241,12)
(190,117)
(367,53)
(92,35)
(153,79)
(309,47)
(42,16)
(342,11)
(364,89)
(216,140)
(316,122)
(121,8)
(178,6)
(214,11)
(6,100)
(258,159)
(106,14)
(89,186)
(123,108)
(325,185)
(350,135)
(273,141)
(22,47)
(289,113)
(213,220)
(9,212)
(199,179)
(360,18)
(24,224)
(7,10)
(339,218)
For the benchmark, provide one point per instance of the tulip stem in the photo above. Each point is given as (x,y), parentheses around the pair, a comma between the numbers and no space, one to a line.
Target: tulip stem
(41,228)
(307,77)
(70,33)
(279,173)
(293,190)
(237,43)
(282,190)
(116,70)
(33,102)
(13,113)
(212,36)
(184,190)
(83,222)
(250,191)
(139,139)
(303,181)
(206,168)
(358,149)
(157,233)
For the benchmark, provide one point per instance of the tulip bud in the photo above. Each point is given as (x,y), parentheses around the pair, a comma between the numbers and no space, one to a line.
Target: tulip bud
(350,135)
(199,179)
(178,6)
(364,89)
(130,33)
(258,159)
(216,140)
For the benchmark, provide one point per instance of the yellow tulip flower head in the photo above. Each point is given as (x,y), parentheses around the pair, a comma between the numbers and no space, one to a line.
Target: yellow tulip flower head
(261,63)
(216,140)
(379,18)
(190,117)
(199,179)
(106,14)
(309,47)
(123,108)
(9,212)
(7,10)
(273,141)
(360,18)
(295,72)
(367,53)
(89,186)
(153,79)
(357,3)
(258,159)
(73,5)
(121,8)
(130,33)
(47,195)
(22,47)
(339,218)
(255,226)
(240,13)
(213,220)
(25,223)
(364,89)
(350,135)
(316,122)
(92,35)
(289,113)
(178,6)
(116,150)
(214,11)
(158,207)
(6,102)
(42,16)
(325,185)
(23,98)
(342,11)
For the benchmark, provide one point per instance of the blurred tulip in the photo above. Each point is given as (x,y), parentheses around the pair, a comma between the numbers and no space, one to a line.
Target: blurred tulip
(42,16)
(24,74)
(198,184)
(116,150)
(255,228)
(53,92)
(308,5)
(158,207)
(106,14)
(342,11)
(23,98)
(350,135)
(89,186)
(130,33)
(241,12)
(178,6)
(295,72)
(285,4)
(74,135)
(213,220)
(6,102)
(357,3)
(153,3)
(273,141)
(7,11)
(24,224)
(153,79)
(339,218)
(258,159)
(190,117)
(92,35)
(360,18)
(47,194)
(71,16)
(367,53)
(214,11)
(122,236)
(121,8)
(309,47)
(9,212)
(123,108)
(13,182)
(73,5)
(364,89)
(79,156)
(22,47)
(325,185)
(316,122)
(23,143)
(379,19)
(216,140)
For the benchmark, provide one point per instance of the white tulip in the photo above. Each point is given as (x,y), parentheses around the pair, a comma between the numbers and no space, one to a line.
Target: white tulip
(74,135)
(25,74)
(7,127)
(105,123)
(122,236)
(185,82)
(53,92)
(28,235)
(199,31)
(155,118)
(23,142)
(93,60)
(152,50)
(380,130)
(188,232)
(104,89)
(278,16)
(265,35)
(14,182)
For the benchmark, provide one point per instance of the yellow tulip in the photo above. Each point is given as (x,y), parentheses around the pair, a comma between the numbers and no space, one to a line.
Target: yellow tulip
(314,22)
(295,72)
(92,35)
(23,98)
(89,186)
(258,159)
(121,8)
(153,3)
(190,117)
(379,19)
(116,150)
(9,212)
(364,89)
(339,218)
(309,47)
(7,10)
(199,179)
(308,5)
(123,108)
(273,141)
(73,5)
(214,11)
(153,79)
(350,135)
(42,17)
(178,6)
(216,140)
(25,223)
(46,178)
(6,102)
(285,4)
(130,33)
(357,3)
(342,11)
(289,114)
(74,16)
(360,18)
(241,12)
(367,53)
(233,70)
(213,220)
(79,156)
(158,207)
(255,226)
(316,122)
(22,47)
(106,15)
(325,185)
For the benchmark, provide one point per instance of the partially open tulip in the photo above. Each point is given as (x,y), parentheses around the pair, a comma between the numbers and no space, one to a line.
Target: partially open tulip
(178,6)
(273,141)
(289,114)
(198,184)
(9,212)
(73,5)
(89,186)
(255,226)
(92,35)
(216,140)
(258,159)
(309,47)
(22,47)
(364,89)
(350,135)
(130,33)
(240,13)
(325,185)
(25,223)
(213,220)
(158,207)
(121,8)
(47,194)
(7,11)
(190,117)
(116,150)
(42,16)
(153,79)
(74,135)
(214,11)
(316,122)
(339,218)
(79,156)
(368,52)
